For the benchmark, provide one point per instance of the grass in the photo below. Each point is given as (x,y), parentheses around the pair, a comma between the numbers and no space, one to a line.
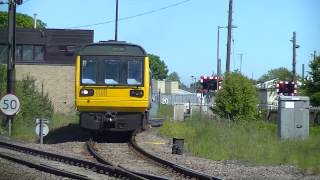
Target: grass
(165,111)
(252,142)
(26,132)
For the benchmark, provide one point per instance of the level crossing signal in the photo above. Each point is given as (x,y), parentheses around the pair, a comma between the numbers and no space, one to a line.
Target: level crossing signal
(211,83)
(286,88)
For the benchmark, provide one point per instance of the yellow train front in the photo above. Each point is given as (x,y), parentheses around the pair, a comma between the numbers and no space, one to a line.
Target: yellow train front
(112,86)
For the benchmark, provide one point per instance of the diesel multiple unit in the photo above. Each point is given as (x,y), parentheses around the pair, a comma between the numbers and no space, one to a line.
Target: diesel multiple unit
(113,86)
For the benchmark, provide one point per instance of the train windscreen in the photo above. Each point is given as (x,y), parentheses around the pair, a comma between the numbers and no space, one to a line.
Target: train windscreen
(108,71)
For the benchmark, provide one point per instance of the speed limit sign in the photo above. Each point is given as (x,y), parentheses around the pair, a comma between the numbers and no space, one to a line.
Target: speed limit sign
(9,104)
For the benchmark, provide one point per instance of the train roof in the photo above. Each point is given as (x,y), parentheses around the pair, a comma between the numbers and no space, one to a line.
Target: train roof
(112,48)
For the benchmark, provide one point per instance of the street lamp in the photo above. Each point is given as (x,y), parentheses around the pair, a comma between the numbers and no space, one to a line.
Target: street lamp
(294,47)
(218,46)
(194,83)
(218,58)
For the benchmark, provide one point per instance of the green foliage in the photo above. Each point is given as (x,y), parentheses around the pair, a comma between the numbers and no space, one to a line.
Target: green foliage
(255,142)
(33,105)
(158,68)
(312,84)
(22,20)
(281,73)
(60,120)
(173,77)
(237,99)
(165,111)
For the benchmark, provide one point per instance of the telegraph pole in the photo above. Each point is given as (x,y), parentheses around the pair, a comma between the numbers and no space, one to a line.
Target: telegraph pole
(116,23)
(229,37)
(11,54)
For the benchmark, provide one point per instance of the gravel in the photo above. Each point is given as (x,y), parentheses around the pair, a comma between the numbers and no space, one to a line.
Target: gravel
(161,147)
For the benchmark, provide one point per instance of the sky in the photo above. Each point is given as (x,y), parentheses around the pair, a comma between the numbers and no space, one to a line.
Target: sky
(184,32)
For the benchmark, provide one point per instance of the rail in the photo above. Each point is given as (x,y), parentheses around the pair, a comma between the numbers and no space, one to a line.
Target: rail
(100,159)
(99,168)
(183,170)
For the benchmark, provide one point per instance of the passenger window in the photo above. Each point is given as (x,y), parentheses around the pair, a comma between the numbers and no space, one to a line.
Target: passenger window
(134,73)
(112,71)
(89,69)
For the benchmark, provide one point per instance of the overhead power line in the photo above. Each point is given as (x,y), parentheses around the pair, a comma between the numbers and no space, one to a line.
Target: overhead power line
(134,16)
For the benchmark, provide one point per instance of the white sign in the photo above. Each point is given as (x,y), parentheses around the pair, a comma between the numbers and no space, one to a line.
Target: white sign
(289,105)
(164,101)
(45,129)
(9,104)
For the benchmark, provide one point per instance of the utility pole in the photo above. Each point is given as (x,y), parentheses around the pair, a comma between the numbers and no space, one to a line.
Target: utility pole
(294,46)
(116,23)
(314,55)
(229,37)
(241,54)
(11,54)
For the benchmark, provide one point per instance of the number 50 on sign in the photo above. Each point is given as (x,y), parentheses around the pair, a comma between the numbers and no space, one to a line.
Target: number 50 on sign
(9,105)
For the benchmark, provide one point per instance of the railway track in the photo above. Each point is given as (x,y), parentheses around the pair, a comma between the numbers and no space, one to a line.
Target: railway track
(102,169)
(138,157)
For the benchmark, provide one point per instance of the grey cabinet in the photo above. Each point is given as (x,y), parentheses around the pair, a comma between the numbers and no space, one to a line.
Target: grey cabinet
(293,118)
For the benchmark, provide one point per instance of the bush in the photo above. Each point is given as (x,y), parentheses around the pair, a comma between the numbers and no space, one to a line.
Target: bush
(237,99)
(32,105)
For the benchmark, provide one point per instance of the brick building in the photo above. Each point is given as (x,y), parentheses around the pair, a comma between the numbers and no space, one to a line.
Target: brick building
(48,55)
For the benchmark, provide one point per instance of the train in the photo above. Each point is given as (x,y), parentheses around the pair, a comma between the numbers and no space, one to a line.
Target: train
(113,86)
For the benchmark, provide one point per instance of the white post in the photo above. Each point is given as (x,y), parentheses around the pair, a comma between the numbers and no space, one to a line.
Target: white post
(35,21)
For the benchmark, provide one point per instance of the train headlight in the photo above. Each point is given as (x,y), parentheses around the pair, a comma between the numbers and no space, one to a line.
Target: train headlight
(136,93)
(86,92)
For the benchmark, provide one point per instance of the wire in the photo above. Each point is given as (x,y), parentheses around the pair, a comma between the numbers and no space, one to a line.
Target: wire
(134,16)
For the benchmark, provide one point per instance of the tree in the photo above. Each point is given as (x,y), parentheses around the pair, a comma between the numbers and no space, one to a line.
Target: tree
(22,20)
(311,86)
(158,68)
(237,99)
(281,73)
(173,77)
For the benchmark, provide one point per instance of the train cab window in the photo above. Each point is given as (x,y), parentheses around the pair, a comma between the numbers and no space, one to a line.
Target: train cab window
(134,72)
(88,73)
(112,72)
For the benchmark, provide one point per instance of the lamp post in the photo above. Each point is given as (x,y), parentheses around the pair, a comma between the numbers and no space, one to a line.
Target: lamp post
(294,46)
(194,83)
(218,45)
(240,54)
(116,23)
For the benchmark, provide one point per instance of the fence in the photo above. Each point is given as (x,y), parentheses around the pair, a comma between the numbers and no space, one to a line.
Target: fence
(271,112)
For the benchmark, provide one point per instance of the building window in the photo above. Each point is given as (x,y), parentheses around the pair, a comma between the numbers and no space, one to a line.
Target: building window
(3,54)
(18,53)
(38,53)
(29,53)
